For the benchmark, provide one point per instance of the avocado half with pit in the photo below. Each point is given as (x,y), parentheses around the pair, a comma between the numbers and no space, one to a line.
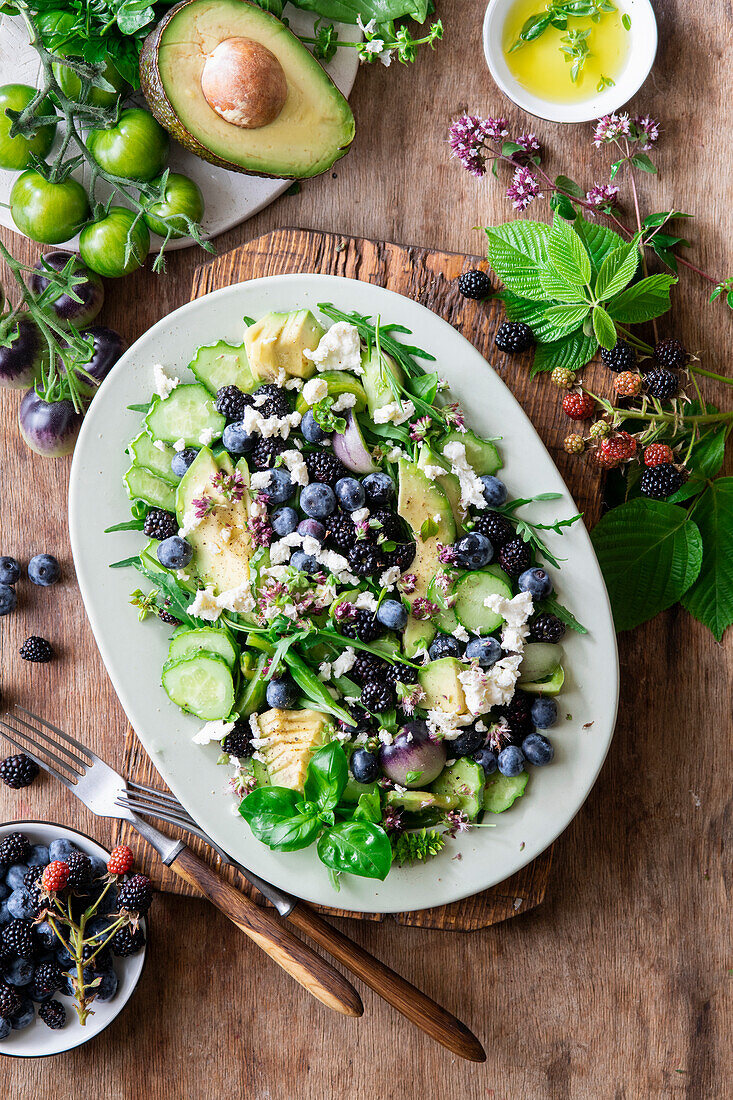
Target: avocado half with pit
(234,86)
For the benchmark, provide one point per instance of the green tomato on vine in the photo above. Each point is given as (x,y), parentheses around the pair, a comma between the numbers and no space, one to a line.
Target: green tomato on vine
(16,152)
(135,149)
(102,245)
(48,212)
(183,199)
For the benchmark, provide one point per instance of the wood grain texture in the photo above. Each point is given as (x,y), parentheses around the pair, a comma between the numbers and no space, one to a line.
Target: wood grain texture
(618,987)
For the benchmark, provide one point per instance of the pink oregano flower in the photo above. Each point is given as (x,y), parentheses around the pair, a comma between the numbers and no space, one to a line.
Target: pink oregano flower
(524,188)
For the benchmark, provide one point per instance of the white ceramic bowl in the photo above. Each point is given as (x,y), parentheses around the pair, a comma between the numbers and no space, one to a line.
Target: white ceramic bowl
(37,1040)
(642,51)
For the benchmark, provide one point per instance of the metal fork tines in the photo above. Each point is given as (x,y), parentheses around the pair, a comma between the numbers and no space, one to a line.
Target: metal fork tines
(155,803)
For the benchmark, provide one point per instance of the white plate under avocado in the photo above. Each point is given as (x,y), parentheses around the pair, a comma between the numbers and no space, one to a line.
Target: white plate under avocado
(135,653)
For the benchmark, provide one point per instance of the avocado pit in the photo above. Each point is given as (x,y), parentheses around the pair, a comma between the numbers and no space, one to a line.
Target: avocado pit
(244,83)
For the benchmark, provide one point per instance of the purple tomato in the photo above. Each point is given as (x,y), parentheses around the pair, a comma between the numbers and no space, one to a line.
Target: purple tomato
(413,754)
(60,304)
(107,347)
(22,359)
(49,428)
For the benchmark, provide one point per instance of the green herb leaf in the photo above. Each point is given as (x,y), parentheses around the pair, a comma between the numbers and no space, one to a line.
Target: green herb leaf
(603,327)
(123,563)
(559,289)
(573,352)
(564,319)
(417,847)
(626,21)
(663,216)
(567,254)
(650,553)
(570,187)
(428,529)
(642,161)
(710,598)
(598,240)
(707,455)
(272,815)
(368,808)
(645,300)
(617,270)
(358,848)
(326,776)
(552,605)
(518,253)
(131,525)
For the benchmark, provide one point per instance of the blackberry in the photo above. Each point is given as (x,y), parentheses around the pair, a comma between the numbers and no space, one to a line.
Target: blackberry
(238,742)
(405,674)
(368,667)
(18,771)
(474,284)
(166,617)
(32,877)
(231,402)
(53,1014)
(14,848)
(378,695)
(136,894)
(17,939)
(9,1001)
(126,942)
(497,528)
(514,336)
(340,532)
(48,977)
(620,357)
(36,649)
(325,467)
(519,716)
(266,450)
(402,556)
(546,628)
(80,870)
(659,482)
(277,403)
(515,557)
(365,559)
(671,354)
(661,383)
(160,524)
(364,721)
(363,626)
(391,527)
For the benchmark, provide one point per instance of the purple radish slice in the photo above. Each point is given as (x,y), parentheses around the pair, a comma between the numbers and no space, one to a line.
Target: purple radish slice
(49,428)
(413,754)
(22,360)
(349,446)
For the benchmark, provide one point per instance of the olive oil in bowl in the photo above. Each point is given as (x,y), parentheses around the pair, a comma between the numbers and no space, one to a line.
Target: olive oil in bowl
(563,57)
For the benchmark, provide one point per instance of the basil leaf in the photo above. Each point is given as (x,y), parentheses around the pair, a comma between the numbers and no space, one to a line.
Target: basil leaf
(645,300)
(368,808)
(603,327)
(572,351)
(357,847)
(272,815)
(326,776)
(567,254)
(710,598)
(564,319)
(617,270)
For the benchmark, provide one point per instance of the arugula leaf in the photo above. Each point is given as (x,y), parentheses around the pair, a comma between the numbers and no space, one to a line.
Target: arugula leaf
(564,319)
(313,689)
(617,270)
(518,253)
(645,300)
(326,776)
(357,847)
(130,525)
(556,608)
(650,553)
(710,598)
(272,814)
(598,239)
(424,386)
(572,351)
(603,327)
(567,254)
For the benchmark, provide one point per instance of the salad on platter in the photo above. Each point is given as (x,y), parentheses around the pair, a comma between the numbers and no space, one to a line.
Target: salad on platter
(362,620)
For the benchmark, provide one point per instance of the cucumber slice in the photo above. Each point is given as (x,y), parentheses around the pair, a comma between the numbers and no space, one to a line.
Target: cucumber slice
(222,364)
(552,686)
(464,781)
(186,643)
(540,661)
(142,485)
(501,791)
(187,413)
(146,454)
(445,619)
(471,590)
(480,453)
(252,692)
(202,685)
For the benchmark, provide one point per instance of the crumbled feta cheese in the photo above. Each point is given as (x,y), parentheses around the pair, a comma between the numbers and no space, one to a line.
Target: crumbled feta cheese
(164,383)
(294,383)
(190,523)
(256,424)
(338,565)
(238,600)
(344,662)
(396,412)
(179,445)
(365,601)
(447,724)
(324,671)
(472,488)
(480,726)
(212,731)
(260,480)
(205,605)
(279,552)
(431,472)
(295,464)
(315,390)
(487,688)
(385,737)
(389,578)
(360,515)
(311,545)
(293,539)
(159,445)
(254,725)
(344,401)
(394,454)
(515,613)
(182,575)
(338,349)
(460,633)
(206,435)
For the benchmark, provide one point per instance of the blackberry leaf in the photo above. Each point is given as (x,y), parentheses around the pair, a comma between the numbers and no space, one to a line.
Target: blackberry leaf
(710,598)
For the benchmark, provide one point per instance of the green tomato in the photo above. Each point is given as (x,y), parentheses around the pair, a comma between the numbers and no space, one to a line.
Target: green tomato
(71,84)
(102,244)
(15,152)
(48,212)
(182,196)
(136,148)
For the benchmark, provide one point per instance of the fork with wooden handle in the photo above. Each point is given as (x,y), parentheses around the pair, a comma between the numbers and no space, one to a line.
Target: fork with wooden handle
(415,1005)
(98,787)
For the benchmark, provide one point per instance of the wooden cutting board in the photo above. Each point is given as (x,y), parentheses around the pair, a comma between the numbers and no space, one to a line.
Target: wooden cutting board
(429,277)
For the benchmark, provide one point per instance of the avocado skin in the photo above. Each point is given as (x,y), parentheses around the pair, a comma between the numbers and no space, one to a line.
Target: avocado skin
(161,108)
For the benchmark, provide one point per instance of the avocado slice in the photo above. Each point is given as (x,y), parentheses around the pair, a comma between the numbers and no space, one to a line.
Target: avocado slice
(420,499)
(464,781)
(375,378)
(443,690)
(310,130)
(338,382)
(277,341)
(448,482)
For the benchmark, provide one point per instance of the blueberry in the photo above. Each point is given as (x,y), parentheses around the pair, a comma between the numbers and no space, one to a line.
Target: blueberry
(544,712)
(38,856)
(61,849)
(364,766)
(494,490)
(9,571)
(282,692)
(237,440)
(63,958)
(108,904)
(486,651)
(4,891)
(280,487)
(19,972)
(21,904)
(312,430)
(44,569)
(99,866)
(5,1027)
(284,521)
(25,1015)
(174,553)
(469,742)
(8,599)
(537,749)
(306,563)
(511,761)
(5,914)
(67,988)
(535,581)
(392,614)
(350,494)
(487,759)
(444,645)
(14,875)
(318,500)
(473,551)
(45,934)
(37,994)
(98,928)
(311,528)
(108,986)
(379,489)
(182,460)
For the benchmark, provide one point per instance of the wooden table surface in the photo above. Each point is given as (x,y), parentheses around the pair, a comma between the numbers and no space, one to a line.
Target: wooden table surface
(619,985)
